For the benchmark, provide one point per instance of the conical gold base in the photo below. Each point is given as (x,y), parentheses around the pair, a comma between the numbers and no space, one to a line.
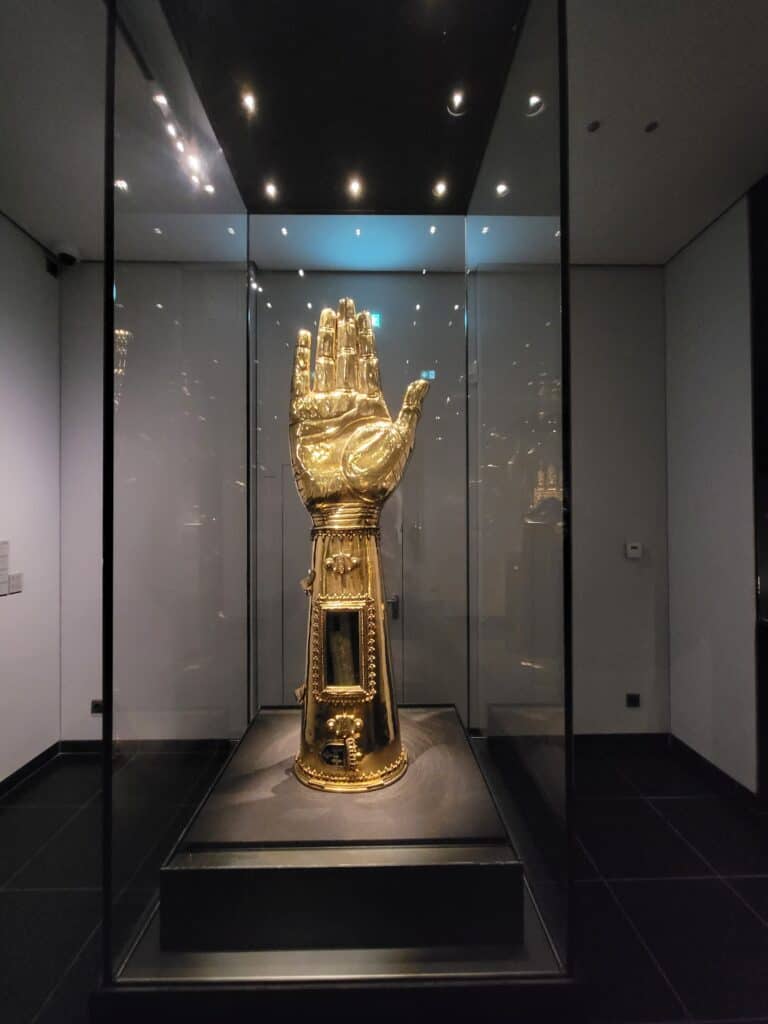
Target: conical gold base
(351,782)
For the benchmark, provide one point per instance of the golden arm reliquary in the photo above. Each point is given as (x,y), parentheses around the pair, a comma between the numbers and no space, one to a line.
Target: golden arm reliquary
(348,456)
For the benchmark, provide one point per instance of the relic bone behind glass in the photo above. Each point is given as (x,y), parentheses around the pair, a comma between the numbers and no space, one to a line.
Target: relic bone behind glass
(348,456)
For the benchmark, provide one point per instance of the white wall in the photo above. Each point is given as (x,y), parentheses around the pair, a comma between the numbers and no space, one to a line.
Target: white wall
(620,612)
(29,500)
(180,556)
(81,432)
(711,518)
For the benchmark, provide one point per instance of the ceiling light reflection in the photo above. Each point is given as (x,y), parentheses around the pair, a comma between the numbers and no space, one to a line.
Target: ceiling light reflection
(160,99)
(502,188)
(284,232)
(439,189)
(249,102)
(355,188)
(121,184)
(270,189)
(209,189)
(484,229)
(171,129)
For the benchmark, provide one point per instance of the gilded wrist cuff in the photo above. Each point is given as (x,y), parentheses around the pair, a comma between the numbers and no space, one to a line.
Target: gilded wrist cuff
(346,516)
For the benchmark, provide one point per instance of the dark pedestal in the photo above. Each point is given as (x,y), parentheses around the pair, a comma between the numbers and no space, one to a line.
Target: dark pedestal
(271,864)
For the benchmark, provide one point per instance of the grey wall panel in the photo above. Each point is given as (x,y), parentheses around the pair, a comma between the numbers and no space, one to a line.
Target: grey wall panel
(711,516)
(620,612)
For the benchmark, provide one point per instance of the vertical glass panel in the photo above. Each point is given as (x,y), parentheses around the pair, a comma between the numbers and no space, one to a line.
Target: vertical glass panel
(180,408)
(516,443)
(412,279)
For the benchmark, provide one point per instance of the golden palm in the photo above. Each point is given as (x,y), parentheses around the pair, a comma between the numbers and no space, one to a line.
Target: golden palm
(345,446)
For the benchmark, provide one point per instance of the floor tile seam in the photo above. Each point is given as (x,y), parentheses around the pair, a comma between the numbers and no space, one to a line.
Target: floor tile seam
(44,846)
(42,807)
(16,890)
(720,877)
(590,858)
(126,888)
(660,878)
(673,828)
(641,939)
(58,984)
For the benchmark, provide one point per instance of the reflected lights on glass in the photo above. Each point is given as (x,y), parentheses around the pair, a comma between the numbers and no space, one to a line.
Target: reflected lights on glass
(456,106)
(284,232)
(536,105)
(433,229)
(249,103)
(270,190)
(355,187)
(121,184)
(502,188)
(484,229)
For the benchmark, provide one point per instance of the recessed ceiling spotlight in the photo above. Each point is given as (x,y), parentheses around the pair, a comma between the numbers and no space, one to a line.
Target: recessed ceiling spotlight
(121,184)
(355,187)
(194,162)
(651,127)
(160,99)
(502,188)
(301,272)
(249,102)
(439,189)
(358,232)
(270,190)
(484,229)
(593,126)
(284,232)
(209,189)
(433,229)
(158,231)
(536,105)
(230,231)
(171,129)
(456,104)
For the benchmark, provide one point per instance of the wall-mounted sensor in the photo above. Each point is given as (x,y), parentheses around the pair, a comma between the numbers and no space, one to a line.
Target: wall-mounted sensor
(633,549)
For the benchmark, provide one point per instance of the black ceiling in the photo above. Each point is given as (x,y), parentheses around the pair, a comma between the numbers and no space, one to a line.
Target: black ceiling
(349,87)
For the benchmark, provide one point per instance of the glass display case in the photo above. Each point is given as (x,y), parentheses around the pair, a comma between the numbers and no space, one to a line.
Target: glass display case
(336,477)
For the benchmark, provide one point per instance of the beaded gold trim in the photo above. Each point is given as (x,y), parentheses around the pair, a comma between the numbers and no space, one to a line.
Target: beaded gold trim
(353,775)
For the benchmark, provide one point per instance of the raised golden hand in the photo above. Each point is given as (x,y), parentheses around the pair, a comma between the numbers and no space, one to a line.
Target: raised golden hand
(345,447)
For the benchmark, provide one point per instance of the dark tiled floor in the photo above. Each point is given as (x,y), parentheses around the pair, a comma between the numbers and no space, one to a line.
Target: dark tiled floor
(50,870)
(674,917)
(671,891)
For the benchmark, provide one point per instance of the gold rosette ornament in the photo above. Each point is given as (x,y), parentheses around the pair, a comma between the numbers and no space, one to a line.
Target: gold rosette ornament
(348,456)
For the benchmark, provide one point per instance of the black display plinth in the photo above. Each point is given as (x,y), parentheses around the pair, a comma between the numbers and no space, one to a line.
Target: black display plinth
(268,863)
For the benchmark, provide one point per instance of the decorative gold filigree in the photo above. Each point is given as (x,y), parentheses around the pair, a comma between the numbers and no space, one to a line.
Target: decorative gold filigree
(348,456)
